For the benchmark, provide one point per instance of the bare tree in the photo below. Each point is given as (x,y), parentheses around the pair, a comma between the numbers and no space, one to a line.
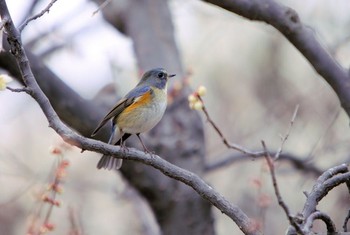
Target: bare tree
(182,202)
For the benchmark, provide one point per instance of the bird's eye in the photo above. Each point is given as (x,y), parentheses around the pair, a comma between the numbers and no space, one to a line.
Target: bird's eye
(161,75)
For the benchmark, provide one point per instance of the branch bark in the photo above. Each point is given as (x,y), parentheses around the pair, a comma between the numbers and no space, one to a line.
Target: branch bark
(187,177)
(287,21)
(317,215)
(326,182)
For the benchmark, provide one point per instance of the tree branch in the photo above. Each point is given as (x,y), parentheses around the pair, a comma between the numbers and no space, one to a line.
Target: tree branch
(284,139)
(73,138)
(72,108)
(325,183)
(34,17)
(271,165)
(321,216)
(30,10)
(287,21)
(23,89)
(298,163)
(223,138)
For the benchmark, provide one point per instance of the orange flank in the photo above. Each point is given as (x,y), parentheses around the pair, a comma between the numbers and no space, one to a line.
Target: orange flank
(143,100)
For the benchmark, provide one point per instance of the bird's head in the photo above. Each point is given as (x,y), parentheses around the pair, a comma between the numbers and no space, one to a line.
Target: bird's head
(156,77)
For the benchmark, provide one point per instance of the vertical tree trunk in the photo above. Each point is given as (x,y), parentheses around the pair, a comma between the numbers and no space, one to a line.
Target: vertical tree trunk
(179,137)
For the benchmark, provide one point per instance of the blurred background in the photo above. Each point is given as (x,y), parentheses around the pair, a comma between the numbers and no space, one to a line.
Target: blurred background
(255,78)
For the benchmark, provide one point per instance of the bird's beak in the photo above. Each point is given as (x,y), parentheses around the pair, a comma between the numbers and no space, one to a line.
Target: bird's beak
(171,75)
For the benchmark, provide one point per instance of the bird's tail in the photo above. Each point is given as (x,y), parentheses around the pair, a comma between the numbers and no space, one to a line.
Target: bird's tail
(109,162)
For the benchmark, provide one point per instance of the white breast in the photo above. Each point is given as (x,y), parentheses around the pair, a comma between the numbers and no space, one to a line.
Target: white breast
(147,117)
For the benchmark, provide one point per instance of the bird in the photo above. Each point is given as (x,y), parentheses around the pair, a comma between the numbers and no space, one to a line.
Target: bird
(137,112)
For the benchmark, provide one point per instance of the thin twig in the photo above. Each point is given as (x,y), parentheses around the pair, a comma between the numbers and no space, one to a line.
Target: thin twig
(23,89)
(271,166)
(240,148)
(34,17)
(100,7)
(325,131)
(30,10)
(284,139)
(224,139)
(297,162)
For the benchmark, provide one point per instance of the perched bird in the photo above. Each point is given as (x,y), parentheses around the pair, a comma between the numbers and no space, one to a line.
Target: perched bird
(139,111)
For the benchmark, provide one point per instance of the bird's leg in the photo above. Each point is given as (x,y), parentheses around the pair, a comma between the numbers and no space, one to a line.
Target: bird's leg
(122,143)
(143,145)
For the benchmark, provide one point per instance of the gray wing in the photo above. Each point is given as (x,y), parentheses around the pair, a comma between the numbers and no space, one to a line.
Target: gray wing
(121,105)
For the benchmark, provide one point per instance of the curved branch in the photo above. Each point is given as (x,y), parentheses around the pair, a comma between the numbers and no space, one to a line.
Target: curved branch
(73,138)
(325,183)
(321,216)
(287,21)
